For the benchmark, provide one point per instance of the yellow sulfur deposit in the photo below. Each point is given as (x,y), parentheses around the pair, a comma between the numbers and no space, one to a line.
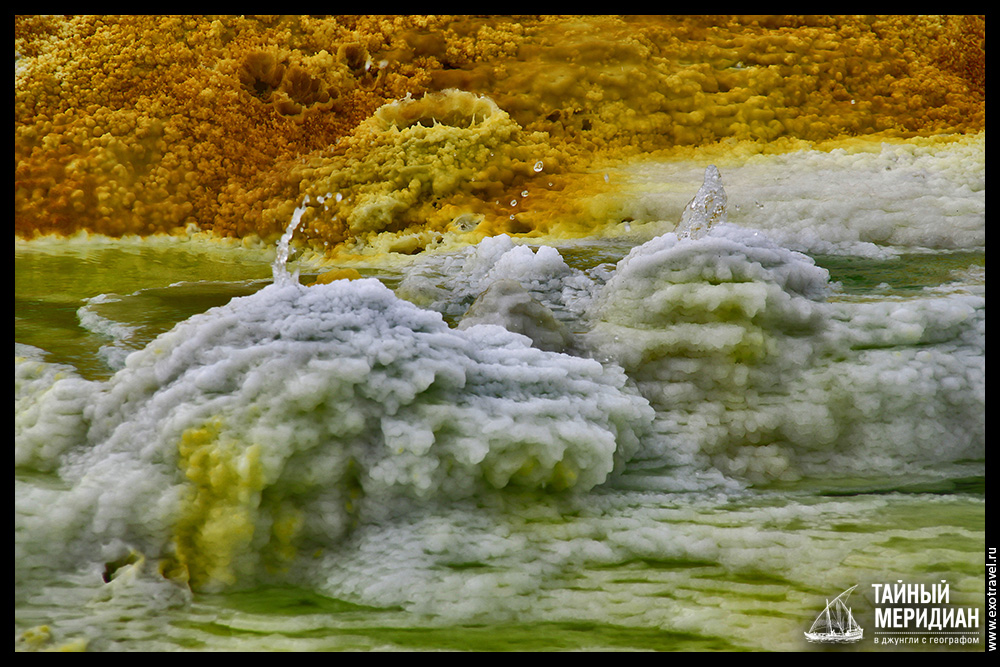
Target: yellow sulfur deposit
(218,535)
(39,638)
(218,520)
(416,129)
(417,168)
(338,274)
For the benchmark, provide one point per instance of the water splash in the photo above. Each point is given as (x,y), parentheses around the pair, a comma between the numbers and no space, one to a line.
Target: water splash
(279,268)
(707,208)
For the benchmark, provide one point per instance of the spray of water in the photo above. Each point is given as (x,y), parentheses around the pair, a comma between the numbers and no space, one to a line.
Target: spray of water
(706,208)
(279,268)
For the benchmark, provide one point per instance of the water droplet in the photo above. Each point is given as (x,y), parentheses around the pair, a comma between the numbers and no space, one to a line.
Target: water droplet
(513,202)
(524,193)
(539,166)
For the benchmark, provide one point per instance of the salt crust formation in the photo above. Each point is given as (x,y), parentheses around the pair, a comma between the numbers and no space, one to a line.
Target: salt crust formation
(754,366)
(286,417)
(874,201)
(276,425)
(146,124)
(733,341)
(333,435)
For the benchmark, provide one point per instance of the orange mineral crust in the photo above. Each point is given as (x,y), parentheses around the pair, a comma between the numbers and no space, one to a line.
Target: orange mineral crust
(402,128)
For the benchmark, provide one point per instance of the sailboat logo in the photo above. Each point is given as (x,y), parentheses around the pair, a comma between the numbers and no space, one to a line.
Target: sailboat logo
(836,624)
